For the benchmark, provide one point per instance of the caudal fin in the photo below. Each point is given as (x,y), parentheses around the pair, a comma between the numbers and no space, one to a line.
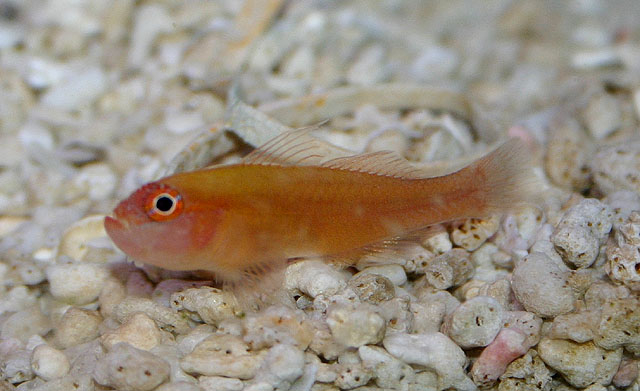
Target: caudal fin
(503,179)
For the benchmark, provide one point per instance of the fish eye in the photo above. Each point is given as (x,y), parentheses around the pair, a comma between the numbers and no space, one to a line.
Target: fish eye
(165,205)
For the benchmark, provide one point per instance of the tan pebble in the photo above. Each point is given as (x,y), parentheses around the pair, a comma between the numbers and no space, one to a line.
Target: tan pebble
(139,331)
(211,304)
(77,326)
(474,232)
(580,364)
(223,355)
(166,318)
(75,239)
(355,327)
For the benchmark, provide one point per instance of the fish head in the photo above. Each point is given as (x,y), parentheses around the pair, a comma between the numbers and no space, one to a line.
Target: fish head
(161,225)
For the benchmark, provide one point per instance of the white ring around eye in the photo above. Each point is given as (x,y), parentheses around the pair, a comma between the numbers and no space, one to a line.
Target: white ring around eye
(174,203)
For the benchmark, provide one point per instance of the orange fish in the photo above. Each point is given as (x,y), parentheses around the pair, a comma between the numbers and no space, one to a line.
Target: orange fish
(282,202)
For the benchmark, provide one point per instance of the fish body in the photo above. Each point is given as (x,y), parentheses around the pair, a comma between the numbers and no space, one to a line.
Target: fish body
(245,220)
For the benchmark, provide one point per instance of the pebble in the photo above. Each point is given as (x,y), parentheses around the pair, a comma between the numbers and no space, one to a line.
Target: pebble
(150,21)
(601,292)
(602,115)
(395,273)
(622,253)
(434,351)
(223,355)
(618,325)
(357,326)
(351,376)
(218,383)
(275,325)
(15,366)
(164,317)
(24,324)
(627,373)
(128,368)
(80,382)
(568,154)
(77,89)
(613,167)
(387,371)
(372,288)
(282,365)
(580,364)
(450,269)
(49,363)
(76,327)
(211,304)
(427,316)
(527,372)
(474,232)
(97,180)
(475,323)
(581,230)
(438,243)
(313,278)
(186,386)
(139,331)
(508,345)
(76,283)
(540,284)
(577,327)
(527,323)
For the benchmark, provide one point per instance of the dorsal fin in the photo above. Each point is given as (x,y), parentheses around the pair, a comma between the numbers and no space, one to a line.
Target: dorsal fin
(385,163)
(297,147)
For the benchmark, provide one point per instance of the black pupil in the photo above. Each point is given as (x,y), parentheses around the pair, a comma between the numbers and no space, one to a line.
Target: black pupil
(164,204)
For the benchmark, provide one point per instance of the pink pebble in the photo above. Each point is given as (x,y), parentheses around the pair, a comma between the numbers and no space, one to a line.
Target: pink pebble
(626,375)
(508,345)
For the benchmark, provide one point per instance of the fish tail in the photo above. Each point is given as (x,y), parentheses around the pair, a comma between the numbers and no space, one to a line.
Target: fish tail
(502,180)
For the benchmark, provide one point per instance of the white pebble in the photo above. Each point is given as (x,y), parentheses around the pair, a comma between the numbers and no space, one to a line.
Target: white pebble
(186,386)
(79,89)
(581,231)
(427,316)
(49,363)
(357,326)
(388,371)
(314,278)
(434,351)
(24,324)
(15,367)
(181,121)
(602,115)
(223,355)
(128,368)
(282,365)
(77,283)
(166,318)
(97,180)
(150,21)
(395,273)
(540,284)
(475,322)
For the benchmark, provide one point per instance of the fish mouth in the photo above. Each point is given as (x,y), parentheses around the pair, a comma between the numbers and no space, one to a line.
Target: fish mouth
(114,224)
